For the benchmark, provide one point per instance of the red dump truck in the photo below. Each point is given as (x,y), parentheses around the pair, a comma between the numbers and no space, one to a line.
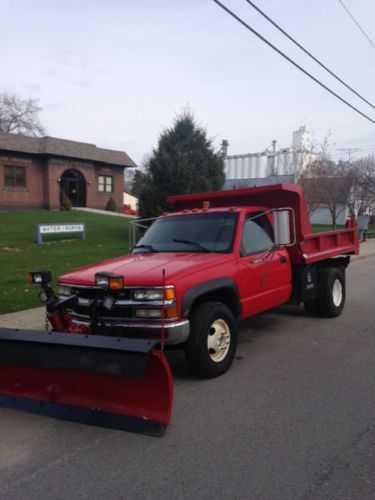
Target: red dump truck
(216,259)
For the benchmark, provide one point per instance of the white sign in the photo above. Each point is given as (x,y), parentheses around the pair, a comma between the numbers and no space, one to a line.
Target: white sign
(43,229)
(61,228)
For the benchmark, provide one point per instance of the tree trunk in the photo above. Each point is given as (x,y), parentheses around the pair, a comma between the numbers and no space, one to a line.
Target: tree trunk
(333,216)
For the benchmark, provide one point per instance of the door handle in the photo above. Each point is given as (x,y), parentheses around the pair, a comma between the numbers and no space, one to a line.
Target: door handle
(282,260)
(257,260)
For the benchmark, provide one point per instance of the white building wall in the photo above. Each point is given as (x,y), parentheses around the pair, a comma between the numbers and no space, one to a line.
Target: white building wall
(323,216)
(286,161)
(131,200)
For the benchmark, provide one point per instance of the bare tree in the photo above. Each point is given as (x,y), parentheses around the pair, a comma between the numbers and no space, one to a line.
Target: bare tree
(327,183)
(362,196)
(307,170)
(20,115)
(310,188)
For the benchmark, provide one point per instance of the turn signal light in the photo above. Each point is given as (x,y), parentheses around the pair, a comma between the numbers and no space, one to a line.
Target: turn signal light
(169,294)
(170,312)
(116,283)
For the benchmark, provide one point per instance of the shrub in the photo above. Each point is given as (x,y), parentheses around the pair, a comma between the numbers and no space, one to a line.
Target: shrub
(111,205)
(65,204)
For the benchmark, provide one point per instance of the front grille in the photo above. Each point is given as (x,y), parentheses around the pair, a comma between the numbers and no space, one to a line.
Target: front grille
(86,296)
(92,293)
(116,313)
(123,309)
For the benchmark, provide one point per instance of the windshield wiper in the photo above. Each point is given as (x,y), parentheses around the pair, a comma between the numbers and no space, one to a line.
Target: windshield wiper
(195,243)
(149,247)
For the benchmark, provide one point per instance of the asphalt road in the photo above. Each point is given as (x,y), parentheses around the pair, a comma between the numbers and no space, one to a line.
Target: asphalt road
(293,419)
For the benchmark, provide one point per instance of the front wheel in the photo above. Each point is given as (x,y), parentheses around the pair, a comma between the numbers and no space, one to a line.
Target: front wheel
(212,343)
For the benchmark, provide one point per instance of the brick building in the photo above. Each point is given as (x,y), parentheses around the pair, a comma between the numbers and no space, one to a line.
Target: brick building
(36,172)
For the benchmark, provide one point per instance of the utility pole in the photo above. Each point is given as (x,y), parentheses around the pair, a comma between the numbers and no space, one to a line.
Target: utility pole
(349,151)
(274,157)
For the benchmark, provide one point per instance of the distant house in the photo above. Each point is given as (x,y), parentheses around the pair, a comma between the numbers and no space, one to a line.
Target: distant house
(130,204)
(36,172)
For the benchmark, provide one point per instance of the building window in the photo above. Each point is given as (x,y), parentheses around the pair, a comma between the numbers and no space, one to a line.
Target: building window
(15,176)
(105,183)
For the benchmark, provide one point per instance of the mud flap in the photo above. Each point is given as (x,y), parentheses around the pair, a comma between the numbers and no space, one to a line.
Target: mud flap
(112,382)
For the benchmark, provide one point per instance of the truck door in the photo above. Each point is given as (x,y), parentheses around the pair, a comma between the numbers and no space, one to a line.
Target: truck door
(265,270)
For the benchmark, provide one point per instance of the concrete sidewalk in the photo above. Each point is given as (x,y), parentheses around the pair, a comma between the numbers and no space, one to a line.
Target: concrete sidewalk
(103,212)
(35,318)
(29,320)
(366,249)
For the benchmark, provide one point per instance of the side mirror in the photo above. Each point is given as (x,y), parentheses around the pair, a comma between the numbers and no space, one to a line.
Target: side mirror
(282,226)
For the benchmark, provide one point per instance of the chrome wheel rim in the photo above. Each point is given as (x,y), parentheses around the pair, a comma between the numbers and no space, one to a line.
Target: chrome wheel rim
(218,340)
(337,292)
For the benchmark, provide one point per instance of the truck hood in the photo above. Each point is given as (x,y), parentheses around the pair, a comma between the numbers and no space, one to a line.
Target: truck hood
(145,269)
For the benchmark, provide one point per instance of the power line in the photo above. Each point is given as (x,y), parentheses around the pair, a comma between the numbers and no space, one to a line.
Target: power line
(241,21)
(350,151)
(357,23)
(307,52)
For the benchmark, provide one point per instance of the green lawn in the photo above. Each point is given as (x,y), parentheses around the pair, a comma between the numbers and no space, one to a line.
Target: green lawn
(106,237)
(320,228)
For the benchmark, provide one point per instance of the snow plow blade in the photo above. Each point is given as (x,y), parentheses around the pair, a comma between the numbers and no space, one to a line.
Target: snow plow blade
(112,382)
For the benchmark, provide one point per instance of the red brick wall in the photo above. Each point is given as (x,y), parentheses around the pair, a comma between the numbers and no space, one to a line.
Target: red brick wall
(99,200)
(43,188)
(91,172)
(30,196)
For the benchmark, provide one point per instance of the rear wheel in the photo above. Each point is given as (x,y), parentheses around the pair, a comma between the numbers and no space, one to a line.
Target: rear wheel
(212,343)
(311,307)
(331,296)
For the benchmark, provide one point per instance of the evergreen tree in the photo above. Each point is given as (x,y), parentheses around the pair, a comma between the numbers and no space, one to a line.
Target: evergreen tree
(183,162)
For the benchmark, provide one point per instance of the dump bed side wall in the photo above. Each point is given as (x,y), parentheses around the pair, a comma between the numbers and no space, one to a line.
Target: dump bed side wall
(321,246)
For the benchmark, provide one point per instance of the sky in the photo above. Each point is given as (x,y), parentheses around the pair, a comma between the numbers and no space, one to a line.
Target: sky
(117,72)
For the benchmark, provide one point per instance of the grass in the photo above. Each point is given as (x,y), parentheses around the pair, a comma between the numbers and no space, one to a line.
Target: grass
(321,228)
(106,237)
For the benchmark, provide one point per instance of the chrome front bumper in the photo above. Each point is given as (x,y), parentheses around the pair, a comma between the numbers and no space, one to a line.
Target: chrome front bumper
(174,333)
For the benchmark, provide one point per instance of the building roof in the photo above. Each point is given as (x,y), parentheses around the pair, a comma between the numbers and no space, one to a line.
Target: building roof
(61,147)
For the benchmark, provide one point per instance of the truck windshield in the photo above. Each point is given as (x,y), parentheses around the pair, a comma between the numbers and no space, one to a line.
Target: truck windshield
(204,232)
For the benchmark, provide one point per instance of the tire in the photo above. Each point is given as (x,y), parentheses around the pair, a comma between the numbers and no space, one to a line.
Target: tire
(331,295)
(212,343)
(311,307)
(331,299)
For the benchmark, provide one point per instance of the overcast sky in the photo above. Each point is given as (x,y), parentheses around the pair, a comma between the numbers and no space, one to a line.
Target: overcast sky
(115,72)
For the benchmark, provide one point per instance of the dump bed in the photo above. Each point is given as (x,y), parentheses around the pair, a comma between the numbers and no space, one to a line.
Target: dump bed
(320,246)
(308,247)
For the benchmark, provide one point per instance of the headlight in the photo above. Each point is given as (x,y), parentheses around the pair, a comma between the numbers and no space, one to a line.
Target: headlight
(63,290)
(40,277)
(109,281)
(148,313)
(154,294)
(148,294)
